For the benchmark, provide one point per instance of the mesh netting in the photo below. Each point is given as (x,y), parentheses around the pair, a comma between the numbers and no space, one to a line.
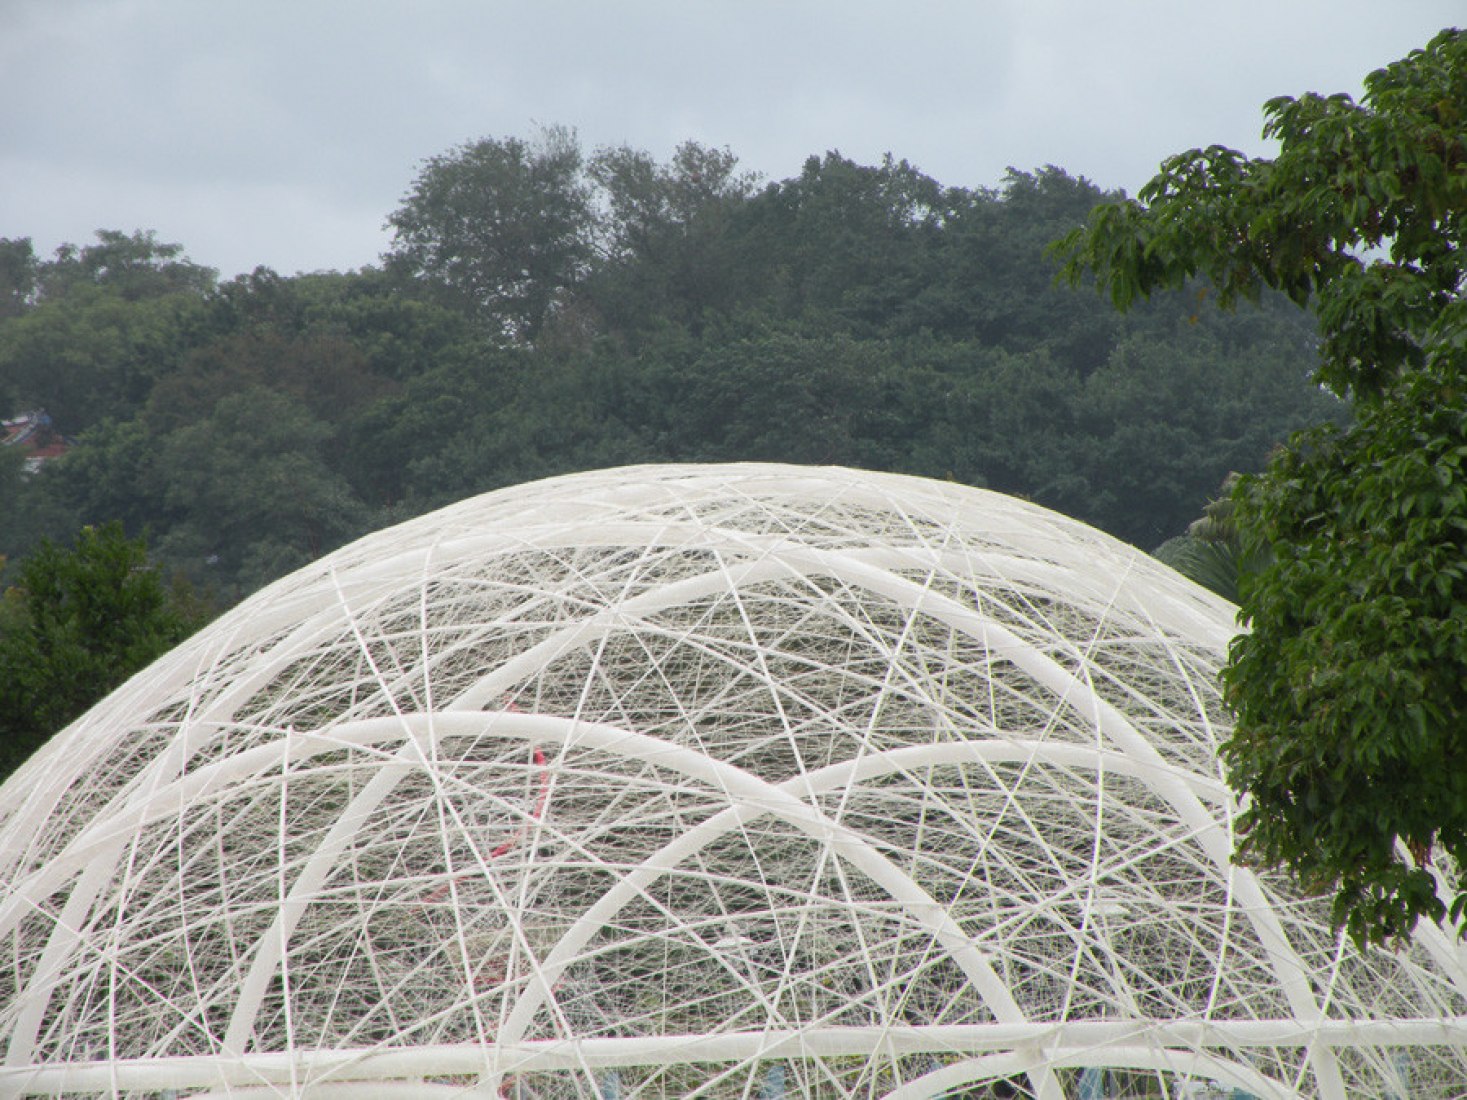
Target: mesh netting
(740,781)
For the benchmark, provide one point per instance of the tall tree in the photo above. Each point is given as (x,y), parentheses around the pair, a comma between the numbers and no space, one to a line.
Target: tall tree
(18,272)
(670,252)
(505,225)
(81,621)
(1350,689)
(846,244)
(649,202)
(96,325)
(134,265)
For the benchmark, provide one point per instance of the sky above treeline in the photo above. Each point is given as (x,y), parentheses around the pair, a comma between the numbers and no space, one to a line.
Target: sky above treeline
(283,132)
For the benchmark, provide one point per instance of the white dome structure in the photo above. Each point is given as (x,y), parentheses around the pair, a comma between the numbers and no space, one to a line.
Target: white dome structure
(727,781)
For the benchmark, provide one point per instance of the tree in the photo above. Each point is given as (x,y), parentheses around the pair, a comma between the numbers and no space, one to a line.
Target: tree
(504,225)
(995,283)
(249,492)
(650,203)
(846,244)
(133,265)
(78,623)
(1164,419)
(17,275)
(669,249)
(1350,688)
(91,330)
(1211,552)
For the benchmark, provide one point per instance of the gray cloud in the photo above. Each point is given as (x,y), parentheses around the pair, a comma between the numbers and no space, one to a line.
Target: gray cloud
(283,133)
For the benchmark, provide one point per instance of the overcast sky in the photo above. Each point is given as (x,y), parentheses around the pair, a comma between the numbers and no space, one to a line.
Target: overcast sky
(283,132)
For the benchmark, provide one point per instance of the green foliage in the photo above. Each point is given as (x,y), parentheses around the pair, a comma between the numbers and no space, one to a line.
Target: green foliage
(12,486)
(252,487)
(505,226)
(542,310)
(997,284)
(1387,173)
(902,324)
(135,266)
(852,239)
(17,275)
(87,334)
(672,248)
(1349,688)
(1212,551)
(77,623)
(1166,417)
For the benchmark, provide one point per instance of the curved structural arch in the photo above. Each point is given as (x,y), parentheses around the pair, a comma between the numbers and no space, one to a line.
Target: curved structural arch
(687,781)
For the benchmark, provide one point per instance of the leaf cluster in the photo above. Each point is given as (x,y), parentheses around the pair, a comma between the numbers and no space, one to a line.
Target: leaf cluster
(1360,213)
(1350,688)
(77,623)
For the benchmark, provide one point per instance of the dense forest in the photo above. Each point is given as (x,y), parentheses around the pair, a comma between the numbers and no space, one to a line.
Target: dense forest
(543,309)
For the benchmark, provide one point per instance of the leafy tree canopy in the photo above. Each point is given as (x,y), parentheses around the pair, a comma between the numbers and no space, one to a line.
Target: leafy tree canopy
(504,225)
(17,275)
(137,265)
(85,334)
(544,309)
(1350,689)
(77,623)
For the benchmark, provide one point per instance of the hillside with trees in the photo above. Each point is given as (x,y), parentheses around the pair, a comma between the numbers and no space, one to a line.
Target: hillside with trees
(544,308)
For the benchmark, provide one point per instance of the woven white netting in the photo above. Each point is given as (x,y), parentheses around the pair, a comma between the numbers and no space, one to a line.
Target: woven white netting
(738,781)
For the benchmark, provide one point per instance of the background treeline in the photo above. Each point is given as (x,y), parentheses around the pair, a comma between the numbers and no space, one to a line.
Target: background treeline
(543,310)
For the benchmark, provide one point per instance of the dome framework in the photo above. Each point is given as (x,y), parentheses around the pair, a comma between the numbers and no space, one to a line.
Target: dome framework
(728,781)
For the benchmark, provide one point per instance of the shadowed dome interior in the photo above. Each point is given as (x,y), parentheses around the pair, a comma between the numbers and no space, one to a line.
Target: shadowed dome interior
(724,781)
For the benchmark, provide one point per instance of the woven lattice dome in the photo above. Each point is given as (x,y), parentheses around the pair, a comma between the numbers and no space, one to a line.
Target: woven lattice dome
(738,781)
